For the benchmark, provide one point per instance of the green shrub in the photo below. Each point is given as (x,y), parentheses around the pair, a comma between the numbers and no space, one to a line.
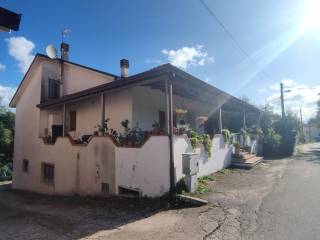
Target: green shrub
(271,143)
(181,186)
(226,135)
(287,128)
(197,139)
(244,135)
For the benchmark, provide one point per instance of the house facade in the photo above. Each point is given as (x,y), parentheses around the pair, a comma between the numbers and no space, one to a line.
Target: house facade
(61,107)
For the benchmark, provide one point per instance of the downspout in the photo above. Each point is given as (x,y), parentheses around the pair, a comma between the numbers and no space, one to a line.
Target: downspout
(61,77)
(102,102)
(168,86)
(64,120)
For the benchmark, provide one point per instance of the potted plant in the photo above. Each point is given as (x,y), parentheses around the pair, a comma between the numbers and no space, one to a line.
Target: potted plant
(156,128)
(226,135)
(236,146)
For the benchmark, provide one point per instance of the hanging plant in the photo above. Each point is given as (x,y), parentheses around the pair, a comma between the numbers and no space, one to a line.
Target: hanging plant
(202,119)
(226,135)
(197,139)
(244,135)
(181,111)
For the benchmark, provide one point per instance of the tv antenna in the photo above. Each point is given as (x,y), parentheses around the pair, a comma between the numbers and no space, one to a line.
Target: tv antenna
(64,34)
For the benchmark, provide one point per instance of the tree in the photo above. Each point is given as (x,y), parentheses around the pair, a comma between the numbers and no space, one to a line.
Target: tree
(288,129)
(6,135)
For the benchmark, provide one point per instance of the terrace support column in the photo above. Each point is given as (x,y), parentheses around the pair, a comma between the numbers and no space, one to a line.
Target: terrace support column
(220,119)
(64,120)
(169,120)
(244,119)
(102,105)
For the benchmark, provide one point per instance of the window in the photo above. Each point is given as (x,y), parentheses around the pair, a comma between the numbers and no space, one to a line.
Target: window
(162,119)
(25,165)
(54,88)
(73,120)
(48,172)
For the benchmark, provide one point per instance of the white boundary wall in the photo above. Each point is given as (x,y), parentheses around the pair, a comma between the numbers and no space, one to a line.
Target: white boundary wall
(220,155)
(146,168)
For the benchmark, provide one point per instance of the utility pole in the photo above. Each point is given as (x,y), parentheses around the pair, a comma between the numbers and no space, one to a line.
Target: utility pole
(301,119)
(282,101)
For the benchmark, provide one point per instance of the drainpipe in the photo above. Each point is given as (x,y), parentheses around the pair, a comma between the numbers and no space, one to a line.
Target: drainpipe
(169,108)
(102,102)
(64,120)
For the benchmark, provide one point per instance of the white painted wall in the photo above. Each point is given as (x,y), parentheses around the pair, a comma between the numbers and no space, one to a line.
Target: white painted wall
(145,168)
(220,155)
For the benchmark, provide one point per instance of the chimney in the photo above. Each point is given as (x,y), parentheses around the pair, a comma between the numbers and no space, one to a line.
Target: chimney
(65,51)
(124,66)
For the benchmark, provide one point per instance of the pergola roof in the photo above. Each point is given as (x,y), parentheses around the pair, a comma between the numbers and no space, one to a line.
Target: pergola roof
(184,85)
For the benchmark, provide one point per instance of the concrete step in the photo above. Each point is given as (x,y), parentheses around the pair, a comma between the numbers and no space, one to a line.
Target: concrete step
(248,156)
(247,163)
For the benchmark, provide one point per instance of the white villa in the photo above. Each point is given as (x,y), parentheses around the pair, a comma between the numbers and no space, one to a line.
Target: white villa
(60,149)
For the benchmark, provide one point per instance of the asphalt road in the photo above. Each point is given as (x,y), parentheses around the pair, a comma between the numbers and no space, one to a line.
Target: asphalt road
(292,209)
(278,199)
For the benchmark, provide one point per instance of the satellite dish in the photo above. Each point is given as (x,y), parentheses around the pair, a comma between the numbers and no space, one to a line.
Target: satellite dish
(51,51)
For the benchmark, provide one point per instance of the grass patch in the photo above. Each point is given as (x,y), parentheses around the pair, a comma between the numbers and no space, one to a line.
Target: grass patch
(203,184)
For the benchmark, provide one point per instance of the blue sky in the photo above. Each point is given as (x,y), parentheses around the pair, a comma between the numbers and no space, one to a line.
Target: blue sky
(182,32)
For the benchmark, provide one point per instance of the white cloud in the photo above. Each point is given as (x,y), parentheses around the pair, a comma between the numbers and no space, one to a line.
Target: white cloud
(2,67)
(6,93)
(21,48)
(262,90)
(300,94)
(188,56)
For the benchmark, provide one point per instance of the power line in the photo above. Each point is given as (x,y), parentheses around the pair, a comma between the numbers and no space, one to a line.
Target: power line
(234,40)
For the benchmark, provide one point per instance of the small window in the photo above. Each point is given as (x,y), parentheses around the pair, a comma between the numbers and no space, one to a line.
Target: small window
(25,165)
(73,120)
(48,172)
(54,88)
(105,188)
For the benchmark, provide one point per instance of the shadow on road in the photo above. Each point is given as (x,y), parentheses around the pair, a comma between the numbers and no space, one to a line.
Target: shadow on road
(50,217)
(311,154)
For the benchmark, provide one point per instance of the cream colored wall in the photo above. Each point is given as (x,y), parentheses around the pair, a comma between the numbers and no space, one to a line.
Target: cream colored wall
(118,107)
(78,79)
(78,169)
(88,115)
(75,78)
(82,169)
(27,130)
(147,102)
